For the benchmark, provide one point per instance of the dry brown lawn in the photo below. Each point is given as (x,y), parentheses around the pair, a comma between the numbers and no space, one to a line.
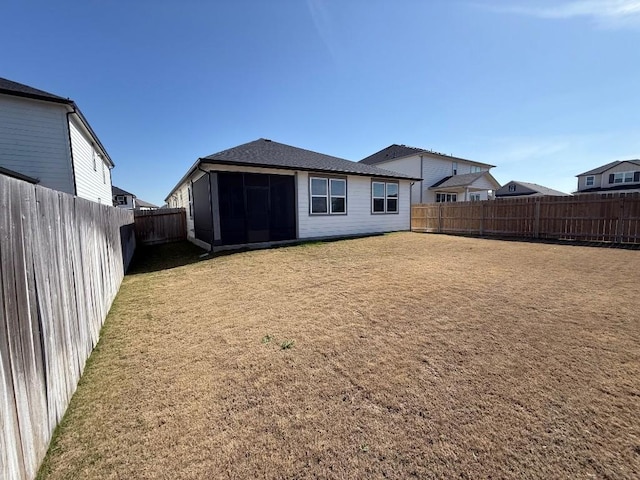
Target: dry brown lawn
(415,356)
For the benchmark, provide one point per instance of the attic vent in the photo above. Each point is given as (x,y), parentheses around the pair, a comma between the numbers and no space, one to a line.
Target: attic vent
(267,140)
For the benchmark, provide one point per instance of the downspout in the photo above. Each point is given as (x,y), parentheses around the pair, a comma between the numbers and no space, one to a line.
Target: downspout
(210,209)
(73,168)
(421,176)
(411,204)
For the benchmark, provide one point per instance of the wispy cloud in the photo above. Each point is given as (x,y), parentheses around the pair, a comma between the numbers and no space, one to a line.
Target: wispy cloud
(604,13)
(324,26)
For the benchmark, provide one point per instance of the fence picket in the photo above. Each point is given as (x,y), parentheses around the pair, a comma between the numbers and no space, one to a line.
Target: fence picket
(62,261)
(591,218)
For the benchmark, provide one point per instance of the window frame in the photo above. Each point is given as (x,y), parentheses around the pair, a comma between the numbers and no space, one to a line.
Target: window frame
(512,188)
(593,180)
(386,197)
(475,197)
(329,195)
(453,197)
(121,200)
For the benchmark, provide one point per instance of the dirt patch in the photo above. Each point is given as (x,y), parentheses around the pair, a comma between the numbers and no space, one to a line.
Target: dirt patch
(413,356)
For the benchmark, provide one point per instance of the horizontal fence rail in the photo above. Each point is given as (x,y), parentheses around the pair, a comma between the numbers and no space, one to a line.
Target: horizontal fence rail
(164,225)
(62,262)
(611,218)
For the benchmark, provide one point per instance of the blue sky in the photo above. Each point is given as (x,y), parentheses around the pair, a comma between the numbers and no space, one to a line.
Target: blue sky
(542,89)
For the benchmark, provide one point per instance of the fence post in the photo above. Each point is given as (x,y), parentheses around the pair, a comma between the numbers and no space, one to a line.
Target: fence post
(483,207)
(620,223)
(536,219)
(440,218)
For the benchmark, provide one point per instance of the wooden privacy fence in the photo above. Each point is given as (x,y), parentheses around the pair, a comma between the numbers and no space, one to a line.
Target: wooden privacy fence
(62,262)
(164,225)
(590,217)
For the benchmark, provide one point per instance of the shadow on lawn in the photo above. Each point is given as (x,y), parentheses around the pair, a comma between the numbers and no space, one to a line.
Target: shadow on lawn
(153,258)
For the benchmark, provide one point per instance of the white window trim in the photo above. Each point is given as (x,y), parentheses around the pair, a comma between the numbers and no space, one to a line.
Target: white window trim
(513,187)
(453,197)
(121,200)
(593,180)
(385,198)
(623,177)
(328,196)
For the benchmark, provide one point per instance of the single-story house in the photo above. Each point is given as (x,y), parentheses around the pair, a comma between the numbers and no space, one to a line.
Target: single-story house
(46,138)
(526,189)
(445,178)
(614,177)
(264,191)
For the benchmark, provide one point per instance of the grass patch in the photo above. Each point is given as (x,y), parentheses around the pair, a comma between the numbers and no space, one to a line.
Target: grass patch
(425,356)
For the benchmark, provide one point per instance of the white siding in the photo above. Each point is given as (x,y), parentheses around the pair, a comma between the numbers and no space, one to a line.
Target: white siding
(359,219)
(434,169)
(92,184)
(582,182)
(34,141)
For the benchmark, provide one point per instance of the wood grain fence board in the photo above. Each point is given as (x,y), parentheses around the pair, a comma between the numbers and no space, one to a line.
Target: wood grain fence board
(592,218)
(62,261)
(154,227)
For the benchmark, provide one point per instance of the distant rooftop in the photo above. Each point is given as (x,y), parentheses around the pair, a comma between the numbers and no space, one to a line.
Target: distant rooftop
(398,151)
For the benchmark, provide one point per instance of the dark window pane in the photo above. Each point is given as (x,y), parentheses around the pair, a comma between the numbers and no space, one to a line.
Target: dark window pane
(378,204)
(392,205)
(378,189)
(338,205)
(318,186)
(392,189)
(338,187)
(319,205)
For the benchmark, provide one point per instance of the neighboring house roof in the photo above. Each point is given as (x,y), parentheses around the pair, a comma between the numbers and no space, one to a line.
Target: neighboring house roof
(143,204)
(269,154)
(604,168)
(535,190)
(18,175)
(118,191)
(464,180)
(9,87)
(399,151)
(616,188)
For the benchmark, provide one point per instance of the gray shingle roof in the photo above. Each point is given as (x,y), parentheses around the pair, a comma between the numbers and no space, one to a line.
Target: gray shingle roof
(458,180)
(10,87)
(142,203)
(399,151)
(118,191)
(542,189)
(267,153)
(270,154)
(604,168)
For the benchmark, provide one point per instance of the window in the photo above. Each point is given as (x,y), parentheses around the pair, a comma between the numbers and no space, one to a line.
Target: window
(328,196)
(190,202)
(475,169)
(446,197)
(589,181)
(475,197)
(512,188)
(621,177)
(121,200)
(95,168)
(384,197)
(455,168)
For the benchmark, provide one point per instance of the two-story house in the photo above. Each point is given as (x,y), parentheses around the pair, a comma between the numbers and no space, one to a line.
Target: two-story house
(128,201)
(445,178)
(47,140)
(618,176)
